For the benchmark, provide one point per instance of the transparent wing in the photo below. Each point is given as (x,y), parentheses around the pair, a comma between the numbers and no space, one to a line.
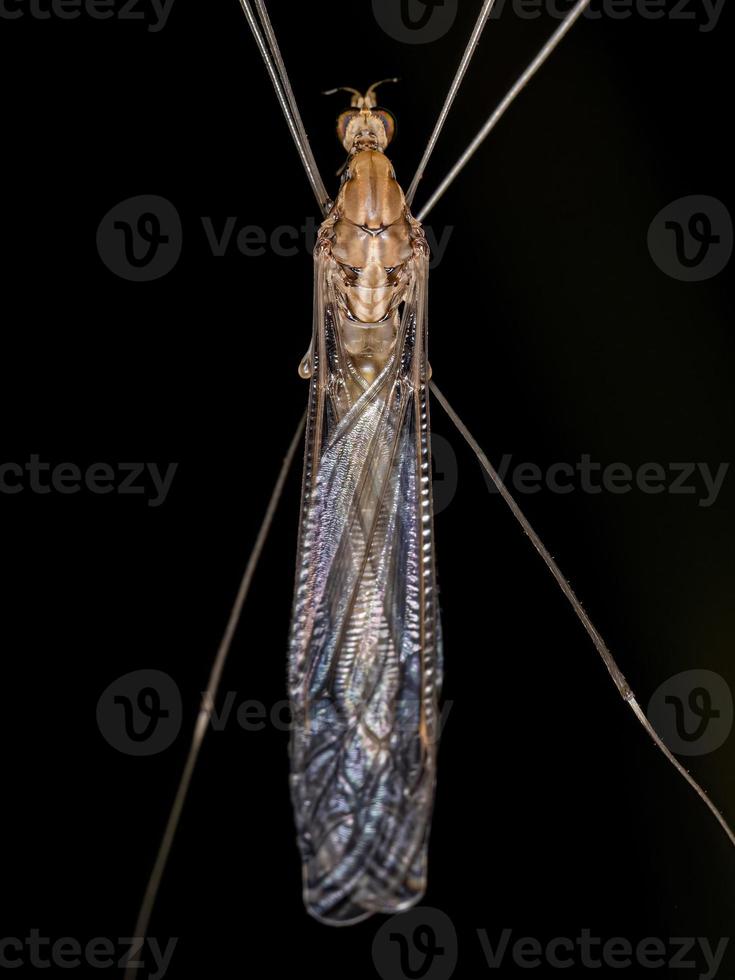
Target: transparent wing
(364,660)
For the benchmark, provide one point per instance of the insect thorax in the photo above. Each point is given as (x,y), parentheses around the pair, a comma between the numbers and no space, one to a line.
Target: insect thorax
(371,239)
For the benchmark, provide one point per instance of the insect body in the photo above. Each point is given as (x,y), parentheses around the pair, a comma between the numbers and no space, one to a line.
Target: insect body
(371,239)
(365,647)
(364,671)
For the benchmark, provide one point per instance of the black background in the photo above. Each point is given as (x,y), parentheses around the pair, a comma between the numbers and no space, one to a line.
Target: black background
(552,332)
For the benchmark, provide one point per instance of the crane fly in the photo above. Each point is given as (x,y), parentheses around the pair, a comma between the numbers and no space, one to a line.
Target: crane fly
(365,639)
(365,665)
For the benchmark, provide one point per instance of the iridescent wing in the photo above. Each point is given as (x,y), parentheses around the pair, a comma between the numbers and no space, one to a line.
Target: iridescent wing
(364,669)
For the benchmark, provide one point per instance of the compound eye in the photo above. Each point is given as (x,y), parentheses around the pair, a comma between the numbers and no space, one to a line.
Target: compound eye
(343,122)
(388,122)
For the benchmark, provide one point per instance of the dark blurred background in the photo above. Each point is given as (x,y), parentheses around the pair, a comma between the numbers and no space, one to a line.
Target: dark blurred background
(554,334)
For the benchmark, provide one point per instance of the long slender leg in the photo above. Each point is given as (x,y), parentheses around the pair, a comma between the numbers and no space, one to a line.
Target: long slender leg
(208,700)
(275,50)
(271,55)
(617,675)
(451,94)
(574,14)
